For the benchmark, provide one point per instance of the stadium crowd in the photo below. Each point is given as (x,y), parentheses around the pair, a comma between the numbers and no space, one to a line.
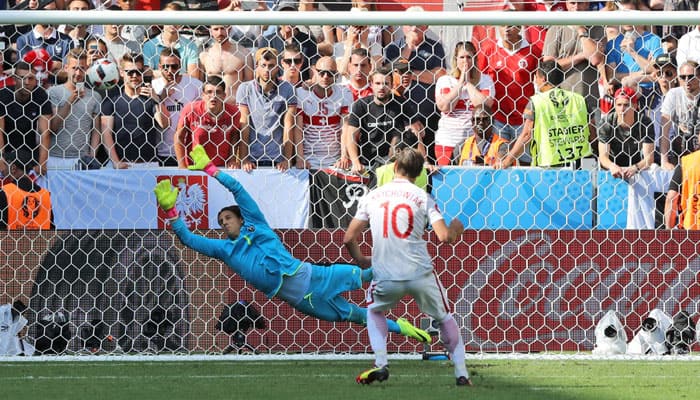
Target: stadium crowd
(626,97)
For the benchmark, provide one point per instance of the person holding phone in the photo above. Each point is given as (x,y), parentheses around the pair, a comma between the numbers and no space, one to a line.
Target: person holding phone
(75,121)
(131,120)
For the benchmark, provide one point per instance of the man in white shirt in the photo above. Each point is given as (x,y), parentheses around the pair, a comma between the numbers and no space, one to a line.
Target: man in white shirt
(689,47)
(680,110)
(397,214)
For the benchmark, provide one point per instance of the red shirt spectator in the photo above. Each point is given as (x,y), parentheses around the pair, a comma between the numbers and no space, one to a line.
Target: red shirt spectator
(218,134)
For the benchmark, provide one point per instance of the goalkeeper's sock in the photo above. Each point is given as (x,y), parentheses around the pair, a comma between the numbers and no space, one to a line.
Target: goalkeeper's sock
(367,275)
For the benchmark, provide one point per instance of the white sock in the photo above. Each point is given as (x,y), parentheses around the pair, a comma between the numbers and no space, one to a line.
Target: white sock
(449,333)
(378,330)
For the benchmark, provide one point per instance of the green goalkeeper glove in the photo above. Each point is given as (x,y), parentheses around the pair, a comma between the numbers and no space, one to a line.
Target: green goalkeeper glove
(166,195)
(201,160)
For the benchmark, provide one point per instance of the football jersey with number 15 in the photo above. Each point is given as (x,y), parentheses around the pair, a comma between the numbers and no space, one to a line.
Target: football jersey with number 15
(398,213)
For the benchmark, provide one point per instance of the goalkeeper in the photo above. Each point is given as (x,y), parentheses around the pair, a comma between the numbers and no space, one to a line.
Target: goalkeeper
(253,251)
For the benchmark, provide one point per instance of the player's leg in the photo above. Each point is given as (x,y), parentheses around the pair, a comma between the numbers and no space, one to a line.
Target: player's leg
(432,300)
(381,296)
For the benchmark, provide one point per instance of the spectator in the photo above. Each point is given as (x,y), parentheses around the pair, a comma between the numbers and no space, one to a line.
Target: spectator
(78,33)
(626,139)
(292,61)
(228,59)
(285,34)
(75,123)
(689,46)
(268,108)
(25,112)
(131,33)
(96,48)
(679,5)
(456,95)
(131,120)
(169,37)
(245,35)
(426,58)
(557,122)
(359,67)
(375,120)
(484,147)
(666,78)
(359,37)
(45,69)
(212,123)
(511,63)
(46,37)
(13,32)
(321,120)
(578,52)
(680,110)
(117,45)
(23,203)
(175,90)
(632,53)
(683,198)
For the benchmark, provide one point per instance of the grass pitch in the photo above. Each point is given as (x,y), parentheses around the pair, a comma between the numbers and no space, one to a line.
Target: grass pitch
(334,379)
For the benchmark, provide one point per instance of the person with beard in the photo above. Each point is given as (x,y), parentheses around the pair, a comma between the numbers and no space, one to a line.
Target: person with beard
(212,123)
(484,147)
(175,90)
(130,121)
(375,120)
(25,115)
(227,58)
(268,108)
(254,251)
(322,117)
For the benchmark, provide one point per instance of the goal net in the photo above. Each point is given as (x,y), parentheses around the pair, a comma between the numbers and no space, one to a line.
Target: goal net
(304,109)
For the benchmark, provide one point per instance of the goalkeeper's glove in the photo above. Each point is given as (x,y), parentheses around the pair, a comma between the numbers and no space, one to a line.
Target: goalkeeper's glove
(201,161)
(166,194)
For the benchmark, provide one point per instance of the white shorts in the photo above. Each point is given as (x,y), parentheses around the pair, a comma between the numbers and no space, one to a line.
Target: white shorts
(427,291)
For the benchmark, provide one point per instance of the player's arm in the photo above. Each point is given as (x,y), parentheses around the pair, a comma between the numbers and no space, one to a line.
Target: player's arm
(448,234)
(355,229)
(249,208)
(166,195)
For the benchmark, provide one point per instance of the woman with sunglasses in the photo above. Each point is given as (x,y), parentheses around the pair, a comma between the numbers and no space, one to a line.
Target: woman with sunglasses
(456,95)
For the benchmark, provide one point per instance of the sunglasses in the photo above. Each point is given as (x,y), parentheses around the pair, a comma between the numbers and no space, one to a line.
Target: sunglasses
(667,74)
(481,120)
(291,61)
(134,72)
(322,72)
(686,77)
(170,66)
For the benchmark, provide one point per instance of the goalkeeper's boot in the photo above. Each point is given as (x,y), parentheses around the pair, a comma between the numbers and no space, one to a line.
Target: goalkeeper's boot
(375,374)
(407,329)
(464,381)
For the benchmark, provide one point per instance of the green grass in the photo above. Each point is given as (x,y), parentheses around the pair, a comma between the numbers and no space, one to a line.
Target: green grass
(288,380)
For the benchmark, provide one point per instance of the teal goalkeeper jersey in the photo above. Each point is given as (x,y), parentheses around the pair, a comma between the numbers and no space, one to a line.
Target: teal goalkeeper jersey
(257,255)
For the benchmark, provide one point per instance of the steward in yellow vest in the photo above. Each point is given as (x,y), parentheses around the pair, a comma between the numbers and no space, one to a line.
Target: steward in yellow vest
(23,204)
(557,127)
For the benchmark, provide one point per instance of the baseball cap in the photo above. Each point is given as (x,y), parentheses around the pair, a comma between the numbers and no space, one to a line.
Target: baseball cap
(285,5)
(664,59)
(401,65)
(628,93)
(39,59)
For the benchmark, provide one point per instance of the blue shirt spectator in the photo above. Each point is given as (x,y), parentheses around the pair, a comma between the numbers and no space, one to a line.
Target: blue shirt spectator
(56,44)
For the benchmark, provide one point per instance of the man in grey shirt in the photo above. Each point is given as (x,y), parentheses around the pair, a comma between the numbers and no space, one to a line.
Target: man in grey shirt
(76,112)
(268,108)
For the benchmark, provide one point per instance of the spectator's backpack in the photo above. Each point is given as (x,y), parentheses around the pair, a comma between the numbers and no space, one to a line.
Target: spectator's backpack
(681,334)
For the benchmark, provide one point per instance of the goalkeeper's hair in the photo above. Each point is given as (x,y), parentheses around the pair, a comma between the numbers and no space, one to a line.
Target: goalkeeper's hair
(234,209)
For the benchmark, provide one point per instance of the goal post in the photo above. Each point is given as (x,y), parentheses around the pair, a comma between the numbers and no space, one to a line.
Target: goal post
(546,251)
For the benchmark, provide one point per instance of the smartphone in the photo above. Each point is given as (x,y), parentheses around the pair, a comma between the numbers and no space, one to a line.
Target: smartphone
(92,47)
(147,79)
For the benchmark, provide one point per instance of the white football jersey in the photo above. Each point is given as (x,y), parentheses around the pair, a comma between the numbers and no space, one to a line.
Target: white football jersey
(398,213)
(323,123)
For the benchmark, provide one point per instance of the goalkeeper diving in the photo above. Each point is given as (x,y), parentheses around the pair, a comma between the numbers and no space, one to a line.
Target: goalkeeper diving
(253,251)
